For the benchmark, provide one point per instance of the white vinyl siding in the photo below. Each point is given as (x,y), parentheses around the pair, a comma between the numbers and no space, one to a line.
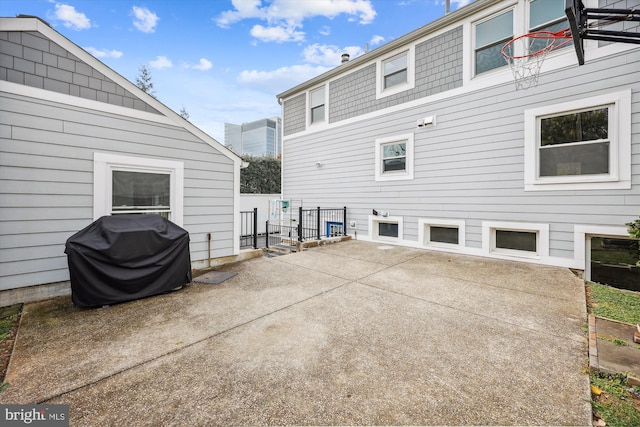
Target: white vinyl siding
(46,186)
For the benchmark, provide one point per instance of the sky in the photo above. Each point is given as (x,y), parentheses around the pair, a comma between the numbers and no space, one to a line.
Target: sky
(224,61)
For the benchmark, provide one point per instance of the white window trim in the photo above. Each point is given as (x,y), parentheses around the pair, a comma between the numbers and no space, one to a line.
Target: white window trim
(407,174)
(326,106)
(489,239)
(381,92)
(619,176)
(582,243)
(104,164)
(516,29)
(424,232)
(373,228)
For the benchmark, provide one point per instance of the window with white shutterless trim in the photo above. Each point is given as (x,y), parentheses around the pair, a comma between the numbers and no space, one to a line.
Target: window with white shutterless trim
(127,184)
(396,73)
(394,158)
(528,240)
(583,144)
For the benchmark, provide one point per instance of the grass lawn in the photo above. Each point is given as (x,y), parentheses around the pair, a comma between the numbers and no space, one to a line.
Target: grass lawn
(615,304)
(614,401)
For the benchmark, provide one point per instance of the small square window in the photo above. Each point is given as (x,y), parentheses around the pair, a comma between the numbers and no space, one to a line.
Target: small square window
(385,228)
(394,158)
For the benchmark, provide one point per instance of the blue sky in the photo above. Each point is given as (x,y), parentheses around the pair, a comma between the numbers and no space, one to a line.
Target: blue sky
(226,60)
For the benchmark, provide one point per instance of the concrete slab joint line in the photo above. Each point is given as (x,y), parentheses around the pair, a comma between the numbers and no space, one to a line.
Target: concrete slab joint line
(344,334)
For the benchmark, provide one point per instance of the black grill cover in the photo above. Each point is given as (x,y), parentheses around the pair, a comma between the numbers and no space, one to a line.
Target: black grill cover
(125,257)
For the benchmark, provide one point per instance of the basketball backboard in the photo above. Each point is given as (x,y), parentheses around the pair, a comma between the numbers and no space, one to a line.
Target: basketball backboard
(603,24)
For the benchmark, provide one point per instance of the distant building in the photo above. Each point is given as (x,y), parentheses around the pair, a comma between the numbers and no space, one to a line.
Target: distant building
(261,138)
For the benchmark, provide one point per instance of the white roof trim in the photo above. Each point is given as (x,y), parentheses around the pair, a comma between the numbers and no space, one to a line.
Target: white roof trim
(35,24)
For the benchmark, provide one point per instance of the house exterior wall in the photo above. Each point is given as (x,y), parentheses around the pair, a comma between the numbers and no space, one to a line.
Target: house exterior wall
(49,140)
(28,58)
(438,67)
(468,168)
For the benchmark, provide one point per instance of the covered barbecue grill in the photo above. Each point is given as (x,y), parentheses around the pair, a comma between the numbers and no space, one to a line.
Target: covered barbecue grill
(125,257)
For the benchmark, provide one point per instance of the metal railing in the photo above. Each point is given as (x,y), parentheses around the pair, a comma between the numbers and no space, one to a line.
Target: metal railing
(249,229)
(311,224)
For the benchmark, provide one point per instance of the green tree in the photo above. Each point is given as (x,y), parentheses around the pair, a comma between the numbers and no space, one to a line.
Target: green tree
(143,81)
(183,113)
(262,176)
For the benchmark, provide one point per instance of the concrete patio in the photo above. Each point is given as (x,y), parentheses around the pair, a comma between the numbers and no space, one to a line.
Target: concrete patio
(353,333)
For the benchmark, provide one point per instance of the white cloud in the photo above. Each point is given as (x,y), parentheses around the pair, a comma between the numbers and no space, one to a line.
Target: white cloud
(456,4)
(325,31)
(161,62)
(71,18)
(203,65)
(103,53)
(281,78)
(284,17)
(329,55)
(376,40)
(144,20)
(276,34)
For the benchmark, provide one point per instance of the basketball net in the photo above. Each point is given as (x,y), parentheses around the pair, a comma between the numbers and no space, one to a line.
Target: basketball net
(526,53)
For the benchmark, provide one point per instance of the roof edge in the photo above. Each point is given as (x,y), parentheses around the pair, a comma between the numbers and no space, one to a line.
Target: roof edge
(33,23)
(433,26)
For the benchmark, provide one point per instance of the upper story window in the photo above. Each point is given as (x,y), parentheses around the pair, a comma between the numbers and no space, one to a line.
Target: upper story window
(582,144)
(547,15)
(396,73)
(395,70)
(490,35)
(317,105)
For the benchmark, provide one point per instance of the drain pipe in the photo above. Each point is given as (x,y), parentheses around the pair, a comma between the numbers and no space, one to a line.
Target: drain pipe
(209,250)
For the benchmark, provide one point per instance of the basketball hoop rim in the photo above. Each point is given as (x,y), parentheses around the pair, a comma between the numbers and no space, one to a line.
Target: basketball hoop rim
(564,35)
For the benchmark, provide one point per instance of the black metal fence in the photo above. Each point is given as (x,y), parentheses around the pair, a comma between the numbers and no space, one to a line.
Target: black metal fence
(311,224)
(249,229)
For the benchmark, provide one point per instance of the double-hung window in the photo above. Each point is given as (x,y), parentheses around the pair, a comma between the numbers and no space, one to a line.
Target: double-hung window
(584,144)
(394,158)
(317,106)
(395,70)
(547,15)
(490,35)
(575,143)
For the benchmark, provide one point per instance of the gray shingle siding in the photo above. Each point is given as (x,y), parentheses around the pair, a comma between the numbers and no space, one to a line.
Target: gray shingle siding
(438,68)
(29,59)
(294,110)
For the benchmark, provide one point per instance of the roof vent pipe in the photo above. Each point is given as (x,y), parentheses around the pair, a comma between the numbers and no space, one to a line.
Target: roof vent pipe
(447,7)
(345,57)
